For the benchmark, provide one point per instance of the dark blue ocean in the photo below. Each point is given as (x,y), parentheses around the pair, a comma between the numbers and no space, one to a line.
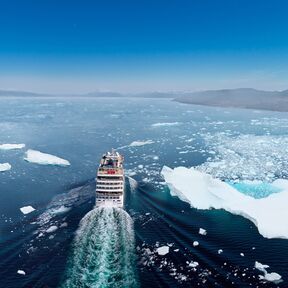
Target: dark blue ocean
(112,248)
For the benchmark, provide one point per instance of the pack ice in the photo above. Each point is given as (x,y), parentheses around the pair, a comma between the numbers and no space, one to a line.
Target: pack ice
(34,156)
(202,191)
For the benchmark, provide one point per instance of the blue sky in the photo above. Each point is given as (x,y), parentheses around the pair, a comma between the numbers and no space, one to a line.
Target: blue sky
(143,45)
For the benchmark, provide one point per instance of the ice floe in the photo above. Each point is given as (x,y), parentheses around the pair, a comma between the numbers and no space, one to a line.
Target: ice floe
(271,277)
(140,143)
(21,272)
(11,146)
(202,231)
(37,157)
(163,250)
(4,167)
(202,191)
(27,209)
(52,229)
(165,124)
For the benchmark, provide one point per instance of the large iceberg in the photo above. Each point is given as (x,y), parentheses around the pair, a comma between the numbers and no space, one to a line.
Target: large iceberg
(4,167)
(11,146)
(202,191)
(38,157)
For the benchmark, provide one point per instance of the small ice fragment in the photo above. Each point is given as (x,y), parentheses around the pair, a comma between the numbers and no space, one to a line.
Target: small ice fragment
(176,250)
(147,214)
(27,209)
(193,264)
(163,250)
(220,251)
(140,166)
(11,146)
(21,272)
(195,243)
(202,231)
(52,229)
(4,167)
(242,254)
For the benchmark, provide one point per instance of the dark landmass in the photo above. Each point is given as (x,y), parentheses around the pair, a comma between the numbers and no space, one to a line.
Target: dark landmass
(8,93)
(239,98)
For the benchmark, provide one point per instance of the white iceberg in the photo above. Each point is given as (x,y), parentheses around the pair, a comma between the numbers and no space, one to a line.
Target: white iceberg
(11,146)
(21,272)
(202,191)
(4,167)
(140,143)
(202,231)
(52,229)
(163,250)
(27,209)
(37,157)
(165,124)
(271,277)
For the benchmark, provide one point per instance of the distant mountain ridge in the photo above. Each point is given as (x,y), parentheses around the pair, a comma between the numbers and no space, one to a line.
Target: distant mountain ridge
(239,98)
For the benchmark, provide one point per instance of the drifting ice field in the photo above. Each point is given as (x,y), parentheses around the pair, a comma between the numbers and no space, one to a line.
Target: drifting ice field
(228,217)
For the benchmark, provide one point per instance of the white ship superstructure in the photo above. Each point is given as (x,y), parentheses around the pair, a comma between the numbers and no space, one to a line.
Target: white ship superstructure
(110,181)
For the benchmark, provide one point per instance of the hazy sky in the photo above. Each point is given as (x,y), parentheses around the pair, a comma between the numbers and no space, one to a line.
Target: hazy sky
(143,45)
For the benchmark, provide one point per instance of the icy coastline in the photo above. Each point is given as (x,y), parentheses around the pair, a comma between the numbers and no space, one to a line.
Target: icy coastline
(202,191)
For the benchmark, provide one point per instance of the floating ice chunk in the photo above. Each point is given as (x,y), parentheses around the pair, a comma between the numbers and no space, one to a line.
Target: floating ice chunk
(163,250)
(21,272)
(195,243)
(242,254)
(202,231)
(62,209)
(165,124)
(27,209)
(193,264)
(220,251)
(140,143)
(269,214)
(4,167)
(271,277)
(261,267)
(52,229)
(38,157)
(11,146)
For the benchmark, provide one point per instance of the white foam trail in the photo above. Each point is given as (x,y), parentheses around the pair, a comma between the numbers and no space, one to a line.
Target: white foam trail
(103,251)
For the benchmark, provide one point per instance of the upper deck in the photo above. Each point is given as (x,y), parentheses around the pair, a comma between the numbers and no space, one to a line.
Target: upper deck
(111,164)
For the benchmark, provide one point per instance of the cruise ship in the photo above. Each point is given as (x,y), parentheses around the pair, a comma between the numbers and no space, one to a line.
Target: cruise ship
(110,181)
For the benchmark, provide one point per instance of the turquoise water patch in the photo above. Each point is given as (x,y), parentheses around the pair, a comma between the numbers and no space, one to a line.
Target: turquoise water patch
(255,189)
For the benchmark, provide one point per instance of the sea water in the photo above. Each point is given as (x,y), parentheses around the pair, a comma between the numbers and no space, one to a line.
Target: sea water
(65,242)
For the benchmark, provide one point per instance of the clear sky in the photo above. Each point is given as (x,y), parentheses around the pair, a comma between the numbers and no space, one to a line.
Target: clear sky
(143,45)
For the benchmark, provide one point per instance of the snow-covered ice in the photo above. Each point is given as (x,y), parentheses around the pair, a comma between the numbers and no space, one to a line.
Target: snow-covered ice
(21,272)
(269,214)
(140,143)
(271,277)
(163,250)
(4,167)
(195,243)
(165,124)
(202,231)
(11,146)
(41,158)
(52,229)
(27,209)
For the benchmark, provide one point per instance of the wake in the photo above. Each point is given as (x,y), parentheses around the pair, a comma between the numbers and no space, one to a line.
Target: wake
(103,251)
